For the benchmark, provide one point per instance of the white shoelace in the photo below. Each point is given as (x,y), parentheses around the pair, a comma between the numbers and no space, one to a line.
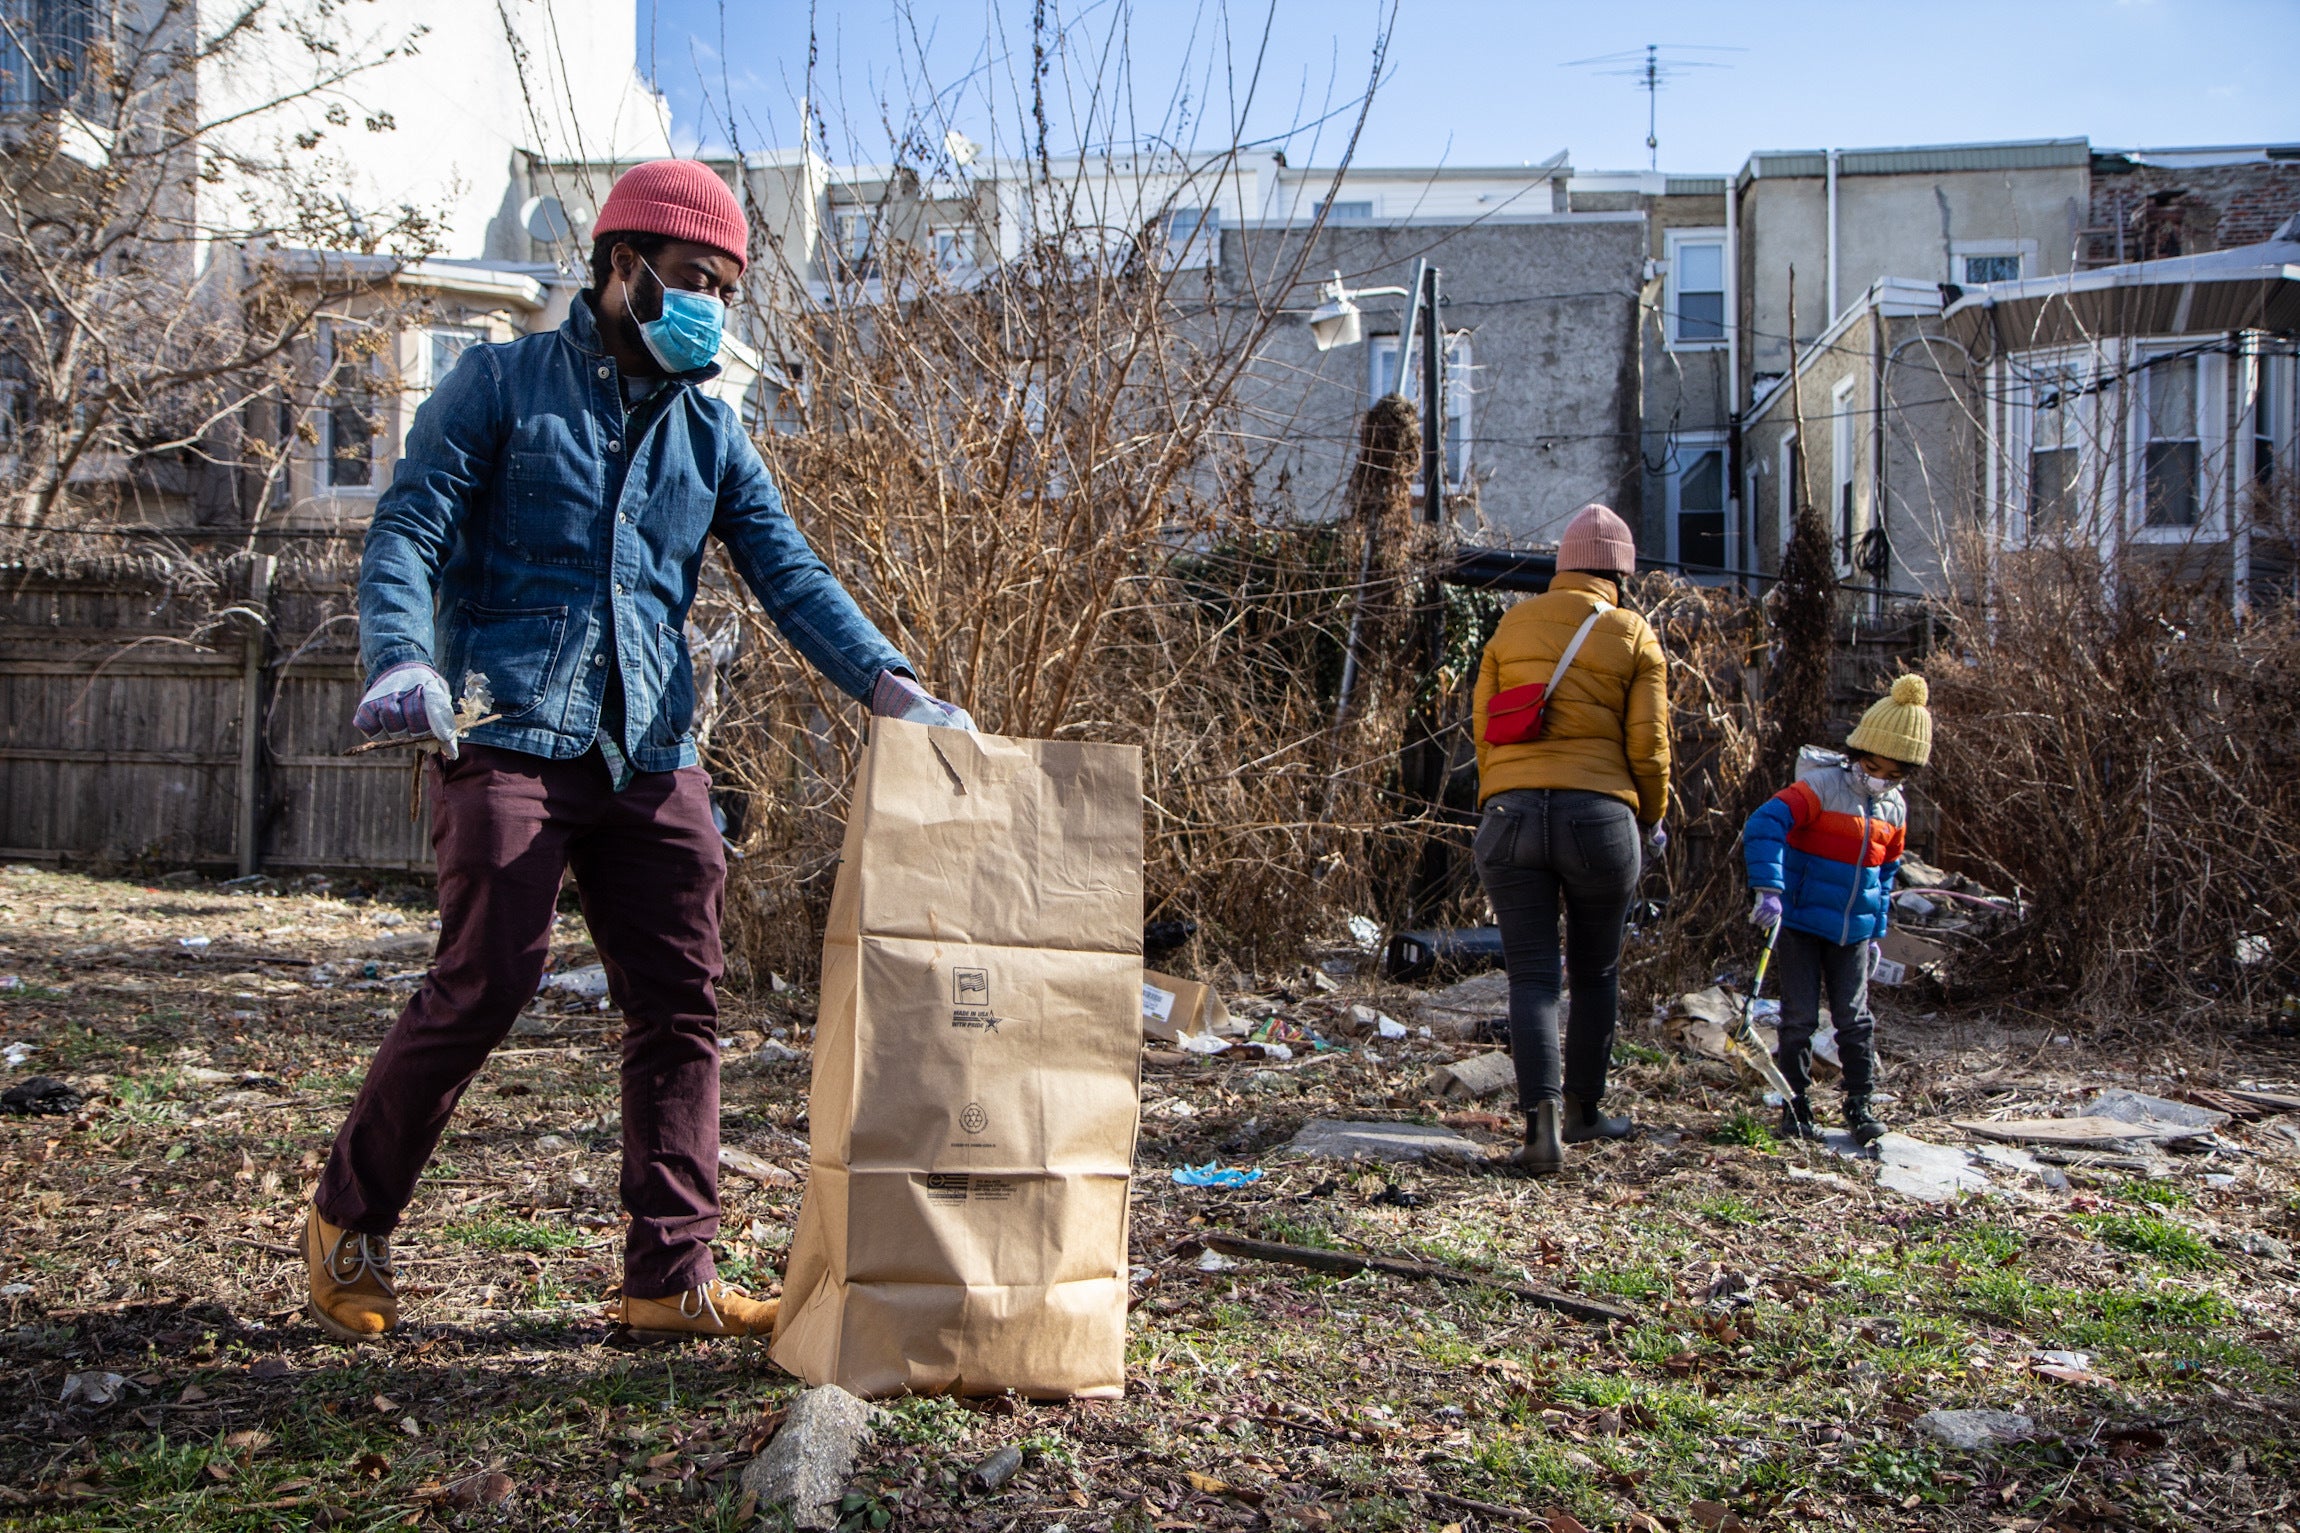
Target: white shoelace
(371,1258)
(703,1305)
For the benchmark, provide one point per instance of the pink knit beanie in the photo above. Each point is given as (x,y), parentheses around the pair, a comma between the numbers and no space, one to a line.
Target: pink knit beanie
(1597,540)
(684,199)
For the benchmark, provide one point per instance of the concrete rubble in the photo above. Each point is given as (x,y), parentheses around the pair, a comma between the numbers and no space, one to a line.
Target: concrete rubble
(804,1470)
(1336,1139)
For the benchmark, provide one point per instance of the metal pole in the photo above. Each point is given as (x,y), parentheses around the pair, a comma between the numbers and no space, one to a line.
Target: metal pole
(1433,401)
(1399,373)
(250,820)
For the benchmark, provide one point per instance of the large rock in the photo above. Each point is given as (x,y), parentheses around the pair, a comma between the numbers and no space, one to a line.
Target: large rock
(1971,1431)
(805,1469)
(1462,1010)
(1334,1139)
(1471,1079)
(2156,1112)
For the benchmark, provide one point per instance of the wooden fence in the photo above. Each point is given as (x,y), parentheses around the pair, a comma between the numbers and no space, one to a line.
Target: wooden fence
(141,724)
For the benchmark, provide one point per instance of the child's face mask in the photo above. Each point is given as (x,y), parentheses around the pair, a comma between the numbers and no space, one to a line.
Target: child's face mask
(1870,783)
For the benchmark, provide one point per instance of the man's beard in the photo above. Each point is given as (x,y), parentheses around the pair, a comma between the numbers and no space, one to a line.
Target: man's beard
(627,322)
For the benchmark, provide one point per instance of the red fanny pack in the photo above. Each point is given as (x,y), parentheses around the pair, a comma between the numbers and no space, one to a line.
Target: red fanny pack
(1514,715)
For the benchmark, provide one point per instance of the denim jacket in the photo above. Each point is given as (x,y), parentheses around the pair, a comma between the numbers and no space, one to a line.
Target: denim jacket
(530,534)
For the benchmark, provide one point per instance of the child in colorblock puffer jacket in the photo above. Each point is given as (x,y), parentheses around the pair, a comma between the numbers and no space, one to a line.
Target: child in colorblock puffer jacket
(1822,855)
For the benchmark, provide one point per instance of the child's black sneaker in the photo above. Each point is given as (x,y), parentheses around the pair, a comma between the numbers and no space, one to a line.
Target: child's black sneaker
(1797,1120)
(1864,1123)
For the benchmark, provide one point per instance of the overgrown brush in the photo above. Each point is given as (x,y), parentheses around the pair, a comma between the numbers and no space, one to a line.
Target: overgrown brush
(2122,753)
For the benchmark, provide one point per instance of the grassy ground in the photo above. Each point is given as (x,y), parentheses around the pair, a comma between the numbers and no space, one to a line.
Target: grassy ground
(1791,1321)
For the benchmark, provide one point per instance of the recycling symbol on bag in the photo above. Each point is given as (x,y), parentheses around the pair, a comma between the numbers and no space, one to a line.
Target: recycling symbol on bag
(973,1119)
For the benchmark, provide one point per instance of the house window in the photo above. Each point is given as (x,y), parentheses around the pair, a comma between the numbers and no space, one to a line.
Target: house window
(1973,263)
(953,248)
(349,417)
(1843,503)
(446,345)
(851,237)
(44,51)
(2271,421)
(2055,458)
(1193,236)
(1791,482)
(1360,212)
(1460,396)
(1695,292)
(2172,462)
(1696,498)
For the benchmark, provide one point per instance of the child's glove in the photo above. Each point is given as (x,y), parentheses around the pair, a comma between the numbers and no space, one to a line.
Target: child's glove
(1657,838)
(1767,910)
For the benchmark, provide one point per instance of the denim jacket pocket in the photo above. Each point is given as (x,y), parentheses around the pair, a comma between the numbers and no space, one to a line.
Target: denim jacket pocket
(675,706)
(555,508)
(516,649)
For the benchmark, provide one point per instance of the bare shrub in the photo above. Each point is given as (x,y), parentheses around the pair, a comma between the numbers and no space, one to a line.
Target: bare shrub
(2121,751)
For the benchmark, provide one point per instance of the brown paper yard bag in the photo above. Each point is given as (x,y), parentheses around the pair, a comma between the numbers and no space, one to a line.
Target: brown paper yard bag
(975,1074)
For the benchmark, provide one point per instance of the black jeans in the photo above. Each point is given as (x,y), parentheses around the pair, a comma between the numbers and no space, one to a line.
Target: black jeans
(1536,846)
(1807,964)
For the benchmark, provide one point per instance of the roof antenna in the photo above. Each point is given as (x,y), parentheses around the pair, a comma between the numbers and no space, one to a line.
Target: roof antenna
(1653,66)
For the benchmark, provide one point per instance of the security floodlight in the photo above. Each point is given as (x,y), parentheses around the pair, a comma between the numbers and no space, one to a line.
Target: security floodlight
(1335,321)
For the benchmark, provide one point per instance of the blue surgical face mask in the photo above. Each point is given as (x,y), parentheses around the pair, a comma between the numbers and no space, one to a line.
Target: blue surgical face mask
(686,335)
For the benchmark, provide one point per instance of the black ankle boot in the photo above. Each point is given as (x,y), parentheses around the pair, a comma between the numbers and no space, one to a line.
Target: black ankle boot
(1544,1152)
(1864,1123)
(1586,1123)
(1797,1120)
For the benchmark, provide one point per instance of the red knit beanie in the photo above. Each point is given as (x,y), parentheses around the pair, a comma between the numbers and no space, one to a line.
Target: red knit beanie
(684,199)
(1596,539)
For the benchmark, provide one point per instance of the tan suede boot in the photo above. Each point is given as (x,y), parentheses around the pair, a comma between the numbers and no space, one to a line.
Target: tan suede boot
(711,1310)
(351,1294)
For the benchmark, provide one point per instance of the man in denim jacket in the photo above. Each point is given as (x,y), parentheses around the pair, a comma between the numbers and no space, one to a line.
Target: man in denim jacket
(544,529)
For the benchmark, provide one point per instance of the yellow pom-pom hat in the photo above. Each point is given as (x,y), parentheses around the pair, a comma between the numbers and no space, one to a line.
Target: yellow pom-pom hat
(1898,726)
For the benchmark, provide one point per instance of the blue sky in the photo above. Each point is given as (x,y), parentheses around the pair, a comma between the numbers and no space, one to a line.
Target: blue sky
(1471,82)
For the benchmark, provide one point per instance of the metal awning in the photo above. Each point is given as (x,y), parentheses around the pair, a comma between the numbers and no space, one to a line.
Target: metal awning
(2254,287)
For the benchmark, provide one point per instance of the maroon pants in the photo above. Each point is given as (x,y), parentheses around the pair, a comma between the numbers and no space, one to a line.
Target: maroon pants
(649,866)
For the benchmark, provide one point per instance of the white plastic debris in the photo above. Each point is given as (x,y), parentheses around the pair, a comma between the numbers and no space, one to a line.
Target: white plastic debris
(1200,1043)
(2253,949)
(1366,932)
(554,1144)
(194,943)
(1389,1027)
(588,983)
(16,1053)
(97,1389)
(1208,1261)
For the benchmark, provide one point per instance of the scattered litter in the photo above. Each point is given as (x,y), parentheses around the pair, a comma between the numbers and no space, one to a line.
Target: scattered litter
(1481,1075)
(1215,1174)
(39,1096)
(11,981)
(16,1053)
(194,943)
(757,1168)
(2151,1112)
(1210,1260)
(1911,903)
(1389,1027)
(2253,949)
(776,1053)
(1974,1430)
(1201,1043)
(94,1389)
(995,1470)
(555,1144)
(1366,932)
(1335,1139)
(16,1291)
(2085,1132)
(1416,955)
(586,983)
(1467,1008)
(2067,1367)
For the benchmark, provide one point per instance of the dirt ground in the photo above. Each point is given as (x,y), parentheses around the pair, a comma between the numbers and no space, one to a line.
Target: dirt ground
(1791,1321)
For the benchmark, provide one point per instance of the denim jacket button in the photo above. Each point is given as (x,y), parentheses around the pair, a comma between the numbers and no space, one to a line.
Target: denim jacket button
(616,445)
(603,372)
(598,659)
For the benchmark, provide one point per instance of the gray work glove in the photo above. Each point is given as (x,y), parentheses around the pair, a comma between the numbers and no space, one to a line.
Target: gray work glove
(409,703)
(898,697)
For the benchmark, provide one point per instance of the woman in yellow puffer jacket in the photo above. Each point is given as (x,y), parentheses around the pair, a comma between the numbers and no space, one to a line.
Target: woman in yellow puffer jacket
(1560,822)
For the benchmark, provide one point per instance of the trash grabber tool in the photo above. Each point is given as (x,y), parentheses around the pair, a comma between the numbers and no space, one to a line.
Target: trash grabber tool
(1745,1030)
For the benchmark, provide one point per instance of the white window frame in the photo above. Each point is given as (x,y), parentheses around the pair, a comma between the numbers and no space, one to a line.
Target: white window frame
(1371,204)
(952,247)
(1846,513)
(2213,457)
(1460,399)
(2033,376)
(1193,236)
(1672,243)
(2025,250)
(1686,449)
(2282,368)
(471,335)
(1785,512)
(846,217)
